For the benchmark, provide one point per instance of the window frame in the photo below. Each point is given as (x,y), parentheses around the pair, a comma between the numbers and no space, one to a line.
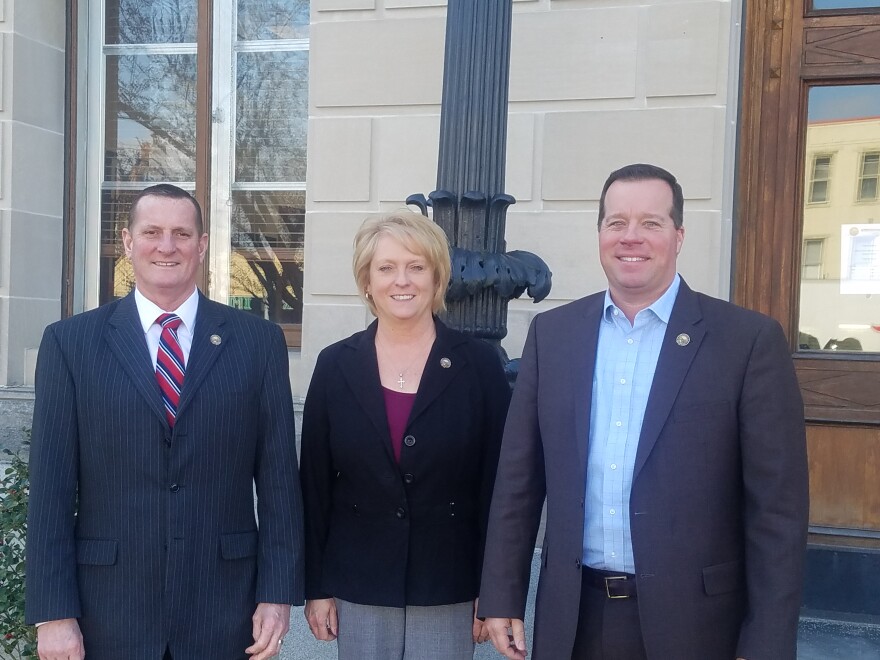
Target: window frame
(819,264)
(85,181)
(827,180)
(862,177)
(222,141)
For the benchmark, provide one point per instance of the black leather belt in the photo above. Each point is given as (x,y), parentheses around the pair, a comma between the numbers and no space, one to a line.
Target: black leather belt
(615,585)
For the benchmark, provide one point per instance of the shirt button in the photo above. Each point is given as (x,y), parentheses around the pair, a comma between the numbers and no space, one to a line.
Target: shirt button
(618,423)
(409,440)
(629,341)
(615,312)
(623,381)
(614,466)
(611,511)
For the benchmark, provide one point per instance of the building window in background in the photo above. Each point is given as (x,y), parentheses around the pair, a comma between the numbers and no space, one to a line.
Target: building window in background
(869,175)
(811,264)
(819,179)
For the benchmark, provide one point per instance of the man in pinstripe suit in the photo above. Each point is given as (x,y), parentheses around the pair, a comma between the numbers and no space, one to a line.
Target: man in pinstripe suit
(142,537)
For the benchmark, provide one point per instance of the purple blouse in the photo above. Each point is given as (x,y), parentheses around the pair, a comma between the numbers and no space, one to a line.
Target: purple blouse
(398,406)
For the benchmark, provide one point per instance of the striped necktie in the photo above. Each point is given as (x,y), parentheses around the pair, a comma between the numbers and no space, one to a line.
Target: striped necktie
(170,365)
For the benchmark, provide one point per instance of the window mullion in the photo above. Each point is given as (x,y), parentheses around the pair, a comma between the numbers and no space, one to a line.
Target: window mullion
(222,125)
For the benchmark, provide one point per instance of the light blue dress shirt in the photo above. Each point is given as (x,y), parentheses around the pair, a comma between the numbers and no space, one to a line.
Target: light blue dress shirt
(626,358)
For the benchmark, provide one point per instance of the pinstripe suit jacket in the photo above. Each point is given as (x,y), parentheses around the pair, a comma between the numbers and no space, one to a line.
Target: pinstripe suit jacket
(147,535)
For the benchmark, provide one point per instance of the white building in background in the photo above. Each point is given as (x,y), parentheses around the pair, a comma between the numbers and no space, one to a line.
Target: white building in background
(841,259)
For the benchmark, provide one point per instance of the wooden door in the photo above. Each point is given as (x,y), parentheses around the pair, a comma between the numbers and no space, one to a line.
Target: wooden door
(806,249)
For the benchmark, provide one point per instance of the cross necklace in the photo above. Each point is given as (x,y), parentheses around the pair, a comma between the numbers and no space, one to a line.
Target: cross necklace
(403,373)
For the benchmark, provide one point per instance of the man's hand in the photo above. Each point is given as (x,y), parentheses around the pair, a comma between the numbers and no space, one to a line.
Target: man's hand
(480,631)
(60,640)
(508,636)
(271,623)
(321,617)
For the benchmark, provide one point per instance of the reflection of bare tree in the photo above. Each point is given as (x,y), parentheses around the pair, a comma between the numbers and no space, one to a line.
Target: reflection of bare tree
(268,230)
(151,125)
(151,97)
(154,133)
(153,22)
(272,116)
(273,19)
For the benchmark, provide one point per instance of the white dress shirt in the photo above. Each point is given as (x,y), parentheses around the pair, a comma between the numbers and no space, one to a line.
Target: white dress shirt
(148,311)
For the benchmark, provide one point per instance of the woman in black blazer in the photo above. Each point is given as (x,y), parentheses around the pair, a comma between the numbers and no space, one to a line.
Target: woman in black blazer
(401,433)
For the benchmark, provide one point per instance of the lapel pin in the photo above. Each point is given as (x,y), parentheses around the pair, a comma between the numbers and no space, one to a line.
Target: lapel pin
(445,363)
(683,339)
(215,339)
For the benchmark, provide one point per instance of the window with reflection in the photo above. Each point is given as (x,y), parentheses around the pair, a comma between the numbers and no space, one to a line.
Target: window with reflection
(266,174)
(821,173)
(840,262)
(869,176)
(811,263)
(256,138)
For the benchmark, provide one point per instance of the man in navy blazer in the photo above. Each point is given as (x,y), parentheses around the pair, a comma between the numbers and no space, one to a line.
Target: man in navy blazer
(143,542)
(666,429)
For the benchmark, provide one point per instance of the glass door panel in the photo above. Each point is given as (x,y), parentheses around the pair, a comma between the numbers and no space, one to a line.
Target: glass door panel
(840,258)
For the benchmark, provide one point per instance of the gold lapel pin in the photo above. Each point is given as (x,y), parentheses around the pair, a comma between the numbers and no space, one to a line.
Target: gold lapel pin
(683,339)
(215,339)
(445,363)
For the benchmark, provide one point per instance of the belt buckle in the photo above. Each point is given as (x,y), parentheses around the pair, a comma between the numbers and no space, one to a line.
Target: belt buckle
(608,586)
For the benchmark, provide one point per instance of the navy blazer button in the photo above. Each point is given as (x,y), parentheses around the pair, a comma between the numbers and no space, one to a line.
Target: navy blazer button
(401,513)
(408,478)
(174,488)
(409,440)
(577,563)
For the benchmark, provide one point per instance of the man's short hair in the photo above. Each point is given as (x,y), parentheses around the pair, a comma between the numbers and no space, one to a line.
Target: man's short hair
(172,192)
(644,172)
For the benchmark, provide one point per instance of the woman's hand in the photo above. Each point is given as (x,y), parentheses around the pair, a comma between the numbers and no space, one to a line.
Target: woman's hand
(321,617)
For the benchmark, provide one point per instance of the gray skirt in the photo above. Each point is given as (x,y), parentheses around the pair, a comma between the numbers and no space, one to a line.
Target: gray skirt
(440,632)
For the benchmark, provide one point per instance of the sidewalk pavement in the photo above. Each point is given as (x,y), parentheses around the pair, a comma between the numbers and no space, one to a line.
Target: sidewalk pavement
(819,637)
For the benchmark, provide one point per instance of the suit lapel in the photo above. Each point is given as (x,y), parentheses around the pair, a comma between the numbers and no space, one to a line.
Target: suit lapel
(436,378)
(125,337)
(210,339)
(582,367)
(360,369)
(672,367)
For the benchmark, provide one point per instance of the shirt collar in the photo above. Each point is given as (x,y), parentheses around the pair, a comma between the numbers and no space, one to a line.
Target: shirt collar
(148,311)
(662,307)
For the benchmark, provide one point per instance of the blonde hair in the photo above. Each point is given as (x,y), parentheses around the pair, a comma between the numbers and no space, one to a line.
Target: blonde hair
(415,232)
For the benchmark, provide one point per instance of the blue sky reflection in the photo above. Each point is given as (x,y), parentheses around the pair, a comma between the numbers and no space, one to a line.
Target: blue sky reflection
(841,102)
